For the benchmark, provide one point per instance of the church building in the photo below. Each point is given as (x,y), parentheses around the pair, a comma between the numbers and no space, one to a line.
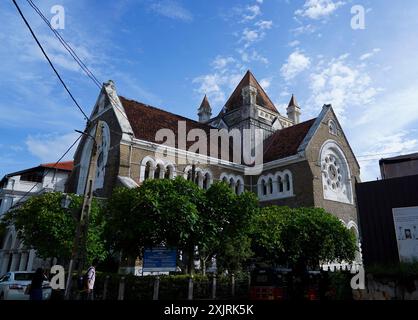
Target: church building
(306,163)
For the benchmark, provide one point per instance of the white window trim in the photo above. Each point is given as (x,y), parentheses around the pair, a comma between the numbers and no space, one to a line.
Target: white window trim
(164,165)
(332,195)
(234,183)
(274,193)
(200,173)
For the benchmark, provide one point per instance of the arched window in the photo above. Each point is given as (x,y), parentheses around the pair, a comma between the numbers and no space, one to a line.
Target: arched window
(199,179)
(270,186)
(238,187)
(168,172)
(336,177)
(189,175)
(232,183)
(264,185)
(280,183)
(158,171)
(206,181)
(332,127)
(147,172)
(225,179)
(286,182)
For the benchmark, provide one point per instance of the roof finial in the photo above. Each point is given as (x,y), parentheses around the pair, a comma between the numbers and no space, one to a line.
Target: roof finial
(293,110)
(205,110)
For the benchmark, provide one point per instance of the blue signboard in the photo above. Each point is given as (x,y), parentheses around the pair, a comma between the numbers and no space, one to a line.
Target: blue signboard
(160,260)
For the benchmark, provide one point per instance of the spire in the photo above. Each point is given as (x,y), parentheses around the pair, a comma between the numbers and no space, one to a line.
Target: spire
(293,110)
(205,110)
(235,101)
(293,101)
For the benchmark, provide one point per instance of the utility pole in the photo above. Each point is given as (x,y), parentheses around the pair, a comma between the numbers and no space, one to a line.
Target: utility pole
(80,241)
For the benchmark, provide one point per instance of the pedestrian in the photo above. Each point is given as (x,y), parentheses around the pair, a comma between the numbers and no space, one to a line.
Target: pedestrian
(35,291)
(90,280)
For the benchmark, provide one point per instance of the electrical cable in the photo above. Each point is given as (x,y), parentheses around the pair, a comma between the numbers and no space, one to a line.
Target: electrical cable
(47,171)
(49,61)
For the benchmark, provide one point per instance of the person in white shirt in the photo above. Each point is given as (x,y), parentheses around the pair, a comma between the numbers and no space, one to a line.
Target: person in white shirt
(91,278)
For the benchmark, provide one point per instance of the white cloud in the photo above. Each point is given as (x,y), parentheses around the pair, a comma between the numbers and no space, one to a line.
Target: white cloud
(294,43)
(341,84)
(296,63)
(172,9)
(265,83)
(250,36)
(381,133)
(252,12)
(317,9)
(221,62)
(264,24)
(251,55)
(50,147)
(306,29)
(216,84)
(370,54)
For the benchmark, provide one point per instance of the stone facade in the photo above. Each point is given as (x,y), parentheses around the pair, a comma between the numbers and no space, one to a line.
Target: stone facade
(296,170)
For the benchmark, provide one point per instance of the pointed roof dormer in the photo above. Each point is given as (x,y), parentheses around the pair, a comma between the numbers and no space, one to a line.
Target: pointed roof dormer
(235,101)
(293,102)
(205,105)
(293,110)
(205,110)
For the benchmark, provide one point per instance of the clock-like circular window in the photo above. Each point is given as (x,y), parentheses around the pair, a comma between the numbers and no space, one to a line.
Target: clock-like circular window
(335,173)
(332,172)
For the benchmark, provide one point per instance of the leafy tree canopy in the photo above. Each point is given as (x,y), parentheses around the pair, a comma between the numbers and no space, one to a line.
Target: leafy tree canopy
(42,224)
(178,213)
(302,237)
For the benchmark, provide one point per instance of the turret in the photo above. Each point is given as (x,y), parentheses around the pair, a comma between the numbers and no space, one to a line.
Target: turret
(204,111)
(293,110)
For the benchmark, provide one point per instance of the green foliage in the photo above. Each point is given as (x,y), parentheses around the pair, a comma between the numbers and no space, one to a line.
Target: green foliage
(230,217)
(45,226)
(302,237)
(160,211)
(179,214)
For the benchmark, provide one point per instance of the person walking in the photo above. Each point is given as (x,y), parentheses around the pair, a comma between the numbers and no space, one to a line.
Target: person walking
(90,280)
(35,292)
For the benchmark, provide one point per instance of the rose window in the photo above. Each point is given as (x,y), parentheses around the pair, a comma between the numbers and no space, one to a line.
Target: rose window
(331,170)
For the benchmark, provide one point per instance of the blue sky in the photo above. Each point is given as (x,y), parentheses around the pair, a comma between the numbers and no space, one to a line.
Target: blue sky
(169,53)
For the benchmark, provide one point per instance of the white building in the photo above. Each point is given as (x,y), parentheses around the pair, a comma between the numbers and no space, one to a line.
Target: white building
(16,188)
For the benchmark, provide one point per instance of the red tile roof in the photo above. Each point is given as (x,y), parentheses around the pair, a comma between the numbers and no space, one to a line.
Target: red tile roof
(146,120)
(284,143)
(65,165)
(235,101)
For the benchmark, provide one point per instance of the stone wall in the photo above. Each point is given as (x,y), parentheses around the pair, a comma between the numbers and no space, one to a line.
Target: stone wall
(388,289)
(343,211)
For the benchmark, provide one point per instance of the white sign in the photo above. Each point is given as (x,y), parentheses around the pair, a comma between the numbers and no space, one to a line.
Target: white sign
(406,228)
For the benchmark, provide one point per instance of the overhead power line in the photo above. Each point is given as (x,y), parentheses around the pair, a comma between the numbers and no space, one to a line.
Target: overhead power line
(74,55)
(49,61)
(46,171)
(66,45)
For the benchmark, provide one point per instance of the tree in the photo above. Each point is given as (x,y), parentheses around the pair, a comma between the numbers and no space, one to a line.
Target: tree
(227,224)
(177,213)
(42,224)
(302,238)
(160,212)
